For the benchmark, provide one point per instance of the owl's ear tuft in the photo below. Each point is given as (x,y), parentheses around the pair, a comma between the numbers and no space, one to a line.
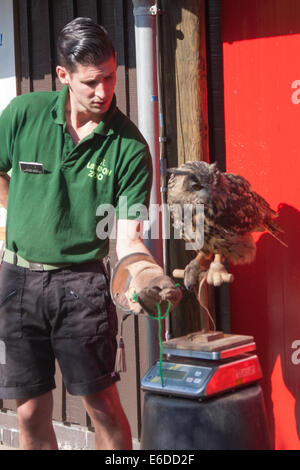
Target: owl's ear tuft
(214,167)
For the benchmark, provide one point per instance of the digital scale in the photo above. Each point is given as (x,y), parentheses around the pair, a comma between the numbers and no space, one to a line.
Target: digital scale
(200,365)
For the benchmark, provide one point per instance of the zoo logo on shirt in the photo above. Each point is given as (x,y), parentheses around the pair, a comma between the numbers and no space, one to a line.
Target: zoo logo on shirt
(98,171)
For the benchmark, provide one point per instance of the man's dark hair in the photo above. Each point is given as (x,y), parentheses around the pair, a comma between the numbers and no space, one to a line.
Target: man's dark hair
(82,41)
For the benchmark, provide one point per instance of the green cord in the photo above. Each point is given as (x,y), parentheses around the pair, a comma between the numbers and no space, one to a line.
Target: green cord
(160,341)
(159,318)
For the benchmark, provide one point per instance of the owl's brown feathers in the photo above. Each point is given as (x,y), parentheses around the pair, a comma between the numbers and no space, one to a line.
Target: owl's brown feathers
(232,210)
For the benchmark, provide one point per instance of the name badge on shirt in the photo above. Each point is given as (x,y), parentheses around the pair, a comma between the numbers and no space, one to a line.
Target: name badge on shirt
(31,167)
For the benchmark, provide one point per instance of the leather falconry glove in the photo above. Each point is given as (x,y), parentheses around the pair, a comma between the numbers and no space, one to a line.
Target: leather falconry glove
(152,287)
(138,285)
(147,285)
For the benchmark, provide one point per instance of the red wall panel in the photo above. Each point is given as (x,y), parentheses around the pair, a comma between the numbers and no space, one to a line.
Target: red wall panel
(261,52)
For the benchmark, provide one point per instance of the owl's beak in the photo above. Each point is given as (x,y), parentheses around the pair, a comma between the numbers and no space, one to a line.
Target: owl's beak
(204,195)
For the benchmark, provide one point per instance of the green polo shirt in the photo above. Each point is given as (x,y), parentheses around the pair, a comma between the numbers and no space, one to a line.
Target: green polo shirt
(60,216)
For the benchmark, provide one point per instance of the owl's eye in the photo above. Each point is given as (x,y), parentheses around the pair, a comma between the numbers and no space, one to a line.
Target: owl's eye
(196,186)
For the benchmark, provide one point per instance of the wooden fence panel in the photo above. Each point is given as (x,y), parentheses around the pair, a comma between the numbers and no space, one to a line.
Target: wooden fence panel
(62,11)
(130,62)
(41,45)
(23,47)
(87,8)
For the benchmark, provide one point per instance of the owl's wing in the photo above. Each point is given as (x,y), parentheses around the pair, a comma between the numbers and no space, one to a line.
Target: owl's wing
(239,183)
(244,209)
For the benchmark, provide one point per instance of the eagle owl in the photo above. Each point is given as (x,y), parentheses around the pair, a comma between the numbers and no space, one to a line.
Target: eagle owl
(232,210)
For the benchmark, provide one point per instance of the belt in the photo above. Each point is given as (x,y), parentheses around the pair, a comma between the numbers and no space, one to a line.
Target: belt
(13,258)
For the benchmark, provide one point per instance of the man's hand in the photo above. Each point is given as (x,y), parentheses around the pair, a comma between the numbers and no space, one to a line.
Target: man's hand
(162,291)
(149,281)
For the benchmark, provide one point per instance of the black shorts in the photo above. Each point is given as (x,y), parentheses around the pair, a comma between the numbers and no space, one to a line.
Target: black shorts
(64,314)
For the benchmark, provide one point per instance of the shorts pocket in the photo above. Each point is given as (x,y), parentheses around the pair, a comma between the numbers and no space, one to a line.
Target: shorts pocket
(84,314)
(84,300)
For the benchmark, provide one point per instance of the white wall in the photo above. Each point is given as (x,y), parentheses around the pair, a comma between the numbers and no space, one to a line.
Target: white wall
(7,53)
(7,67)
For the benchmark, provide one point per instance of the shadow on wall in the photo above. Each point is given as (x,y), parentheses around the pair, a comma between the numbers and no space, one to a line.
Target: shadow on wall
(270,311)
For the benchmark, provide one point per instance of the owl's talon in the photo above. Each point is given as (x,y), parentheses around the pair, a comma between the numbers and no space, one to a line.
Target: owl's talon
(217,274)
(191,274)
(189,287)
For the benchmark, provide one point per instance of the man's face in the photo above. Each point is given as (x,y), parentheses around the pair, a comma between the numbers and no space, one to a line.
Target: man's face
(91,86)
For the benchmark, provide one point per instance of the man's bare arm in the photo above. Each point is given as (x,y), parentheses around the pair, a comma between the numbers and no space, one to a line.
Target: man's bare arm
(4,187)
(129,239)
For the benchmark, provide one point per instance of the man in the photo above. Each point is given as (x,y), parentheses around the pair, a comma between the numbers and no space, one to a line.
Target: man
(70,152)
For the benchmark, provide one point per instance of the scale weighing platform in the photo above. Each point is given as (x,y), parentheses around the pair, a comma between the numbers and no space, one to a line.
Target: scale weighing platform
(200,365)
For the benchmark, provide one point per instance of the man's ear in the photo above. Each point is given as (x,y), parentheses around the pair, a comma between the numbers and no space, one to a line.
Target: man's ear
(62,74)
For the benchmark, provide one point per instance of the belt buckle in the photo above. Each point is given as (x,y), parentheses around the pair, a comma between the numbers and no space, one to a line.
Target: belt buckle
(36,266)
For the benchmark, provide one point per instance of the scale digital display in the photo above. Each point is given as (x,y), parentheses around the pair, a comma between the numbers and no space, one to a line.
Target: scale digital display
(174,374)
